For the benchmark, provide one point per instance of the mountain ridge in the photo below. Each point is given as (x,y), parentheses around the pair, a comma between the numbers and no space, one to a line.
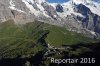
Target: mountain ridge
(71,15)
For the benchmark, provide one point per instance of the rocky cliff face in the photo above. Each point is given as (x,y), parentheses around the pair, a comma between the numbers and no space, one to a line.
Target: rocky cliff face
(79,16)
(14,10)
(91,20)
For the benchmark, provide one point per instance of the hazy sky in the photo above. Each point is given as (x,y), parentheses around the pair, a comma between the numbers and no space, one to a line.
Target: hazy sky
(61,1)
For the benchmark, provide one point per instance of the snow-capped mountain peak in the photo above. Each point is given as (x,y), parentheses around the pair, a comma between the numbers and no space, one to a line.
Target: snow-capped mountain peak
(92,5)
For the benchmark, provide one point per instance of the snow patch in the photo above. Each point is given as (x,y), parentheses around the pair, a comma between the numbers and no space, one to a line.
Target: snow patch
(81,1)
(32,10)
(93,33)
(12,7)
(41,10)
(53,5)
(95,8)
(40,1)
